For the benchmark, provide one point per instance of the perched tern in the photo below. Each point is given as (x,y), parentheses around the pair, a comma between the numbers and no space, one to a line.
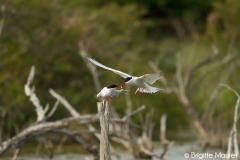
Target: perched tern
(107,93)
(140,82)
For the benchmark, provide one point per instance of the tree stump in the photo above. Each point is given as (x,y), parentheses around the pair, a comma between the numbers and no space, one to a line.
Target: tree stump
(104,110)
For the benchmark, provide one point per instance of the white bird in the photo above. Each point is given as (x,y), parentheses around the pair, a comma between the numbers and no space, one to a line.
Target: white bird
(140,82)
(107,93)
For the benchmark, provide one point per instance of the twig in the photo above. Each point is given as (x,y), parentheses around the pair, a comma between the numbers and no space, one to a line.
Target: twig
(53,110)
(134,112)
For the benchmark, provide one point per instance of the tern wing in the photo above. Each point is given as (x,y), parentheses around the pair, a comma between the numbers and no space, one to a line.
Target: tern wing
(122,74)
(151,78)
(114,93)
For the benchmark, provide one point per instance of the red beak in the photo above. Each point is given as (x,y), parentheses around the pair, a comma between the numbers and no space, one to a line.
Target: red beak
(123,83)
(119,87)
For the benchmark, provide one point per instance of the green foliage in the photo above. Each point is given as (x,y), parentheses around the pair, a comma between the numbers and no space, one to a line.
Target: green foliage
(120,34)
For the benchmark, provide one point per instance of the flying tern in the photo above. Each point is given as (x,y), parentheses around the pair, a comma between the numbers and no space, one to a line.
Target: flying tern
(141,82)
(107,93)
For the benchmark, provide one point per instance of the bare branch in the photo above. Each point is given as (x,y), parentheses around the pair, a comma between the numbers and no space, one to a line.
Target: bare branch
(77,139)
(231,89)
(33,97)
(65,103)
(39,128)
(200,64)
(233,134)
(210,106)
(92,68)
(134,112)
(53,110)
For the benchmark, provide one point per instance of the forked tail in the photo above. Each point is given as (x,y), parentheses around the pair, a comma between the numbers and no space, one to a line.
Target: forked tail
(149,89)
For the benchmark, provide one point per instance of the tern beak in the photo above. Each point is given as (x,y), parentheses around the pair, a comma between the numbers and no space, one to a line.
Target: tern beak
(119,87)
(123,83)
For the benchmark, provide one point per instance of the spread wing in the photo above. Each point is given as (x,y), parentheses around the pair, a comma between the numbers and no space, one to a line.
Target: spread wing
(122,74)
(151,78)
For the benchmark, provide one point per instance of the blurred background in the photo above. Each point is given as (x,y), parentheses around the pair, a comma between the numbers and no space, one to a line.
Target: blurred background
(125,35)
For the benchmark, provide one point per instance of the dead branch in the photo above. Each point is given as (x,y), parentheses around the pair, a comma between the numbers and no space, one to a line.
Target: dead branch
(134,112)
(92,68)
(233,134)
(200,64)
(165,142)
(181,92)
(208,112)
(163,128)
(16,153)
(40,128)
(65,103)
(33,97)
(79,140)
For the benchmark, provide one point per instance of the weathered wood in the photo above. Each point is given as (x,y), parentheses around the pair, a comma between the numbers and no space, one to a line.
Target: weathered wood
(233,134)
(39,128)
(30,91)
(104,110)
(163,128)
(165,142)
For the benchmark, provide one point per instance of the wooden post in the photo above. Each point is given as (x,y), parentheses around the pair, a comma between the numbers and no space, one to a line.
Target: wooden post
(163,128)
(104,110)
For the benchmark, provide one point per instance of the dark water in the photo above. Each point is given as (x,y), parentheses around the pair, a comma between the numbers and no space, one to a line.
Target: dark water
(176,152)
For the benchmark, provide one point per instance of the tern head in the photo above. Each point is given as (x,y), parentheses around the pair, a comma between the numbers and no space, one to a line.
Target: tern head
(113,86)
(127,80)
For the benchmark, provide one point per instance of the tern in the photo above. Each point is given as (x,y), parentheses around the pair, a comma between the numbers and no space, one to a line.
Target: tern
(107,93)
(140,82)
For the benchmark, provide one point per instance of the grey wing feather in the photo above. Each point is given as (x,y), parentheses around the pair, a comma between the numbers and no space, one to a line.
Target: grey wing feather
(151,78)
(122,74)
(114,93)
